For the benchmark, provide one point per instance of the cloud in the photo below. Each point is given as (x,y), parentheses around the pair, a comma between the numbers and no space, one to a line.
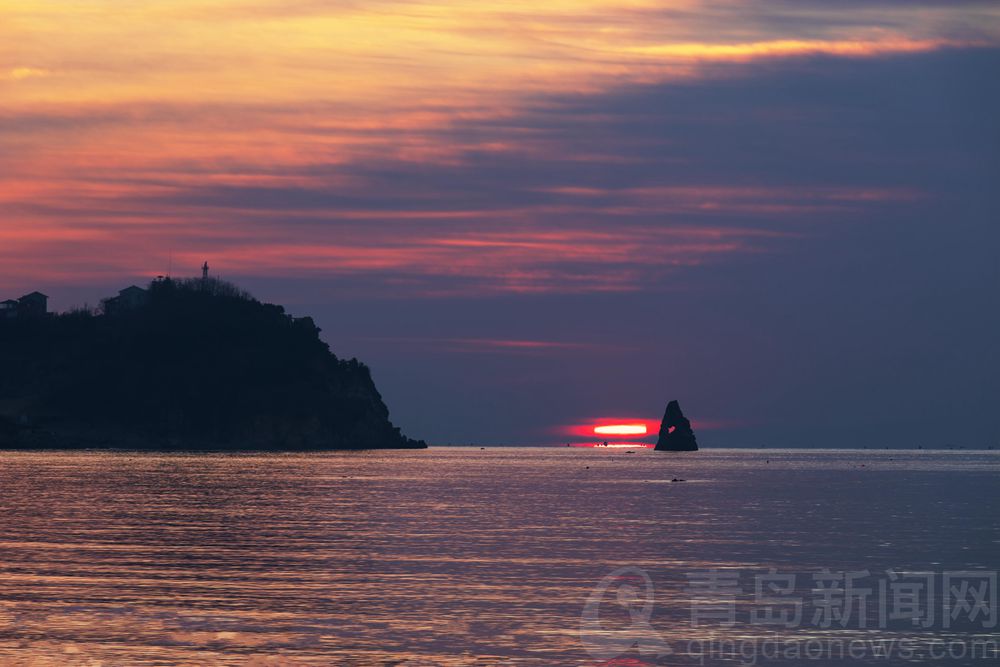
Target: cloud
(619,191)
(22,73)
(784,48)
(498,345)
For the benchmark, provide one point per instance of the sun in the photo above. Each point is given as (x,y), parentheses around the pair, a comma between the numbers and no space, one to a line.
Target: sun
(621,429)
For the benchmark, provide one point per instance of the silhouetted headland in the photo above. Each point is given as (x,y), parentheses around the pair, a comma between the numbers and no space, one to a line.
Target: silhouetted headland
(676,434)
(182,364)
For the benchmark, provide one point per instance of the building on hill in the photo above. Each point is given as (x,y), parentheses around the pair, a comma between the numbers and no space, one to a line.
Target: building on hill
(34,304)
(130,298)
(8,309)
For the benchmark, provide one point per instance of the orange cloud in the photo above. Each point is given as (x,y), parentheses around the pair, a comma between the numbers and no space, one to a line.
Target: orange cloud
(742,52)
(21,73)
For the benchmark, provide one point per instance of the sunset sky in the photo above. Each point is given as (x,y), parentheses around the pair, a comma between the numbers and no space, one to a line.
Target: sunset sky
(532,216)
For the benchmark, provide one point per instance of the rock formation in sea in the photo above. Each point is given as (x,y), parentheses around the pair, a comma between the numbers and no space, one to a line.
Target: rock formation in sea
(676,434)
(192,364)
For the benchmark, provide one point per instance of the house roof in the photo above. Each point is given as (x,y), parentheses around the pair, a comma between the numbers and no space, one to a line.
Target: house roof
(131,288)
(9,302)
(33,295)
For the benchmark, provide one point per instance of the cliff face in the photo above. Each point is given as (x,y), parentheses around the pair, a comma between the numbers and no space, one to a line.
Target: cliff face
(676,434)
(197,365)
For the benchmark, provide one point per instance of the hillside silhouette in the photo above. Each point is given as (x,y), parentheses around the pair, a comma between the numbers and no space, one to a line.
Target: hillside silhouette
(187,364)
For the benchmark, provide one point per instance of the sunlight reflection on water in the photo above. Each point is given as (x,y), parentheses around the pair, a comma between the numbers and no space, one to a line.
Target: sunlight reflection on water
(447,556)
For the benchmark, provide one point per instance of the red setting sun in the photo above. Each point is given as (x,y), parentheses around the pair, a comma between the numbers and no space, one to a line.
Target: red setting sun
(621,431)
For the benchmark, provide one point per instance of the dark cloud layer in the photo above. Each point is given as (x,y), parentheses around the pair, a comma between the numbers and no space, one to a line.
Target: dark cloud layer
(874,329)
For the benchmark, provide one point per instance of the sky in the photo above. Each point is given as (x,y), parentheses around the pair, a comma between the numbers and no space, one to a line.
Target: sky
(531,217)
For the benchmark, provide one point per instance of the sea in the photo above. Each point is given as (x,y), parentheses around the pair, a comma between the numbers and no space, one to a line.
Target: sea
(500,556)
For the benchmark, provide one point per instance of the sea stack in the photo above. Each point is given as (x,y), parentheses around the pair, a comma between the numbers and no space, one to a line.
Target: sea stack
(675,431)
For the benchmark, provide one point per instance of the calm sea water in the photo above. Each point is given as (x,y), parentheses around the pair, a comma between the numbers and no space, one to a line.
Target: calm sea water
(464,556)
